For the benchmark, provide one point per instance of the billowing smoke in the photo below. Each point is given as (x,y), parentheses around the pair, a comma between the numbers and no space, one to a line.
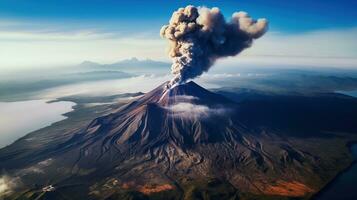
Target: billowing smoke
(198,36)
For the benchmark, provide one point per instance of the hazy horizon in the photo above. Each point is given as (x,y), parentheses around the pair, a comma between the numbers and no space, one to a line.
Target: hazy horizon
(36,36)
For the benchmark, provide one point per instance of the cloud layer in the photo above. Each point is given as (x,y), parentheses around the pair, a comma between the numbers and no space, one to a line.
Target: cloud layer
(52,44)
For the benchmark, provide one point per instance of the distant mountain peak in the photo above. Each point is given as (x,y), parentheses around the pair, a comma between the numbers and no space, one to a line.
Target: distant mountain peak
(132,59)
(87,62)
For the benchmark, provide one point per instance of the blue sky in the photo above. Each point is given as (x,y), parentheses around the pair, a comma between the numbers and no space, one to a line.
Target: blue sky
(289,16)
(129,24)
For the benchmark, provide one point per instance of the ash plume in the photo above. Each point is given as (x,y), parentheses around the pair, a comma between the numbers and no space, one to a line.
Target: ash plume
(199,36)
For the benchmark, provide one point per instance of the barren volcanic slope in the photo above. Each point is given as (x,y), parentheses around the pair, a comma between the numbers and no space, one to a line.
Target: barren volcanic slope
(179,143)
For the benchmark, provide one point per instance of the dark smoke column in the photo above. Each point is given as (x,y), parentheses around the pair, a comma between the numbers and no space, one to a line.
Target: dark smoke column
(198,36)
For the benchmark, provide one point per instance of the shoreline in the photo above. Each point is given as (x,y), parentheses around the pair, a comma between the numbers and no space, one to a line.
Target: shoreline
(329,184)
(25,133)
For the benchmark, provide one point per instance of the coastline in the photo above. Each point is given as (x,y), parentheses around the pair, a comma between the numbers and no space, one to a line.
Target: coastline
(58,115)
(333,180)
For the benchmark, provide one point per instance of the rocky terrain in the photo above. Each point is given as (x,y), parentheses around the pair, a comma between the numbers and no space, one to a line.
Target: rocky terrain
(179,143)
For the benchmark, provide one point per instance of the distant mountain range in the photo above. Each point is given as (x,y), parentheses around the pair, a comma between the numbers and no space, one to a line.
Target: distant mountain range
(87,71)
(129,65)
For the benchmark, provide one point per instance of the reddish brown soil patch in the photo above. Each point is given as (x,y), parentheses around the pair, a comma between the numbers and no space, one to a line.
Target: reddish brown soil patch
(285,188)
(146,189)
(128,185)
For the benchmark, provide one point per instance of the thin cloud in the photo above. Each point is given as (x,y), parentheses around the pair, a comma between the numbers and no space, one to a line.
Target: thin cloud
(183,98)
(37,168)
(190,110)
(330,43)
(54,36)
(143,83)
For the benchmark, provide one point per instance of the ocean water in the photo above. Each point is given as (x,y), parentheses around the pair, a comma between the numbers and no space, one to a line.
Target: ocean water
(22,117)
(352,93)
(344,186)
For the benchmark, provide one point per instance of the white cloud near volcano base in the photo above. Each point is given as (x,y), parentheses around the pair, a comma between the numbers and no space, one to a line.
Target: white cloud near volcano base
(8,184)
(190,110)
(37,168)
(183,98)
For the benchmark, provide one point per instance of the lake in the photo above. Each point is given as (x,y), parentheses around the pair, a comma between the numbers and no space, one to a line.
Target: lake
(344,186)
(22,117)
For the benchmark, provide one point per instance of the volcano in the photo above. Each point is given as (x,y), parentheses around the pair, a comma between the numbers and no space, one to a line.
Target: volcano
(177,118)
(176,141)
(186,129)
